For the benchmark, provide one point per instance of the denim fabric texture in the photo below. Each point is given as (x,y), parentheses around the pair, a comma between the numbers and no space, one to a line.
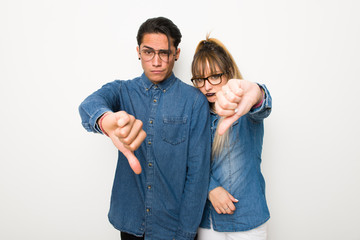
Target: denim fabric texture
(167,199)
(237,170)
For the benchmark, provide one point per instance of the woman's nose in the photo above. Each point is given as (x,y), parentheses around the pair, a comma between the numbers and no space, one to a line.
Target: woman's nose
(207,85)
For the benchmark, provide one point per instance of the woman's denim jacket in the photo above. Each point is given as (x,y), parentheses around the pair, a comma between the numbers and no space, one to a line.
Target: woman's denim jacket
(237,169)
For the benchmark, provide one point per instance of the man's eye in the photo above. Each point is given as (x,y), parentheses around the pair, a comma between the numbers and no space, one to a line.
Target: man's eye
(147,52)
(164,53)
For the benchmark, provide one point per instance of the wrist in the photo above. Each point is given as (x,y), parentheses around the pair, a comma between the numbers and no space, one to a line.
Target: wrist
(260,102)
(100,122)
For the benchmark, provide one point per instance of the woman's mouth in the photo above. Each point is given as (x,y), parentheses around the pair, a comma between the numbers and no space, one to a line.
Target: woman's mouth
(209,94)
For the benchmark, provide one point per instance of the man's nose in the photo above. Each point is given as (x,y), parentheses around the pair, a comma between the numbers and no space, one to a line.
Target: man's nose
(156,60)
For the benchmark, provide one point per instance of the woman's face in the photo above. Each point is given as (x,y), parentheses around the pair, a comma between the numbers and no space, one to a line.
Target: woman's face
(210,90)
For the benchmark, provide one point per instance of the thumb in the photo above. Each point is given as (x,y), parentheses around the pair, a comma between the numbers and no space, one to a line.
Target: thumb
(226,123)
(130,156)
(132,159)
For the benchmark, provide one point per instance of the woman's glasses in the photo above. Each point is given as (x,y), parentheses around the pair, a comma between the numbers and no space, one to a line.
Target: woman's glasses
(214,79)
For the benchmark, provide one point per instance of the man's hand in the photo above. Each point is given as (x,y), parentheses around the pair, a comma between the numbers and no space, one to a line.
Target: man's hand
(222,201)
(234,100)
(126,134)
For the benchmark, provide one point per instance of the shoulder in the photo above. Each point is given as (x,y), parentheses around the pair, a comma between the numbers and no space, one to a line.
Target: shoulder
(190,89)
(117,84)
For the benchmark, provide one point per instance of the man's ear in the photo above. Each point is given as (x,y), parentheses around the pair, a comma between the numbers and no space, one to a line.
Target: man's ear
(177,55)
(138,51)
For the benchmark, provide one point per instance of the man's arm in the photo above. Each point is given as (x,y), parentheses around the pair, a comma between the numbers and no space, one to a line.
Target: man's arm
(197,179)
(100,114)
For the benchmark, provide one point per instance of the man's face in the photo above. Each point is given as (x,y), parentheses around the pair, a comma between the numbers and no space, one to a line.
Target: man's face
(158,68)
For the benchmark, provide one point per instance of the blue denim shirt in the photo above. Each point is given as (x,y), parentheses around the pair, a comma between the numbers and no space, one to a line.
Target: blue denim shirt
(237,169)
(167,199)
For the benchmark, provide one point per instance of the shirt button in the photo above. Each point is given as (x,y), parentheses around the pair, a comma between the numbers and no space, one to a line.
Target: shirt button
(155,100)
(149,142)
(164,90)
(151,122)
(148,209)
(149,187)
(150,164)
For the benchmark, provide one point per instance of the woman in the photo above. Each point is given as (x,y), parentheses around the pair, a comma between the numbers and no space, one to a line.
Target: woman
(236,207)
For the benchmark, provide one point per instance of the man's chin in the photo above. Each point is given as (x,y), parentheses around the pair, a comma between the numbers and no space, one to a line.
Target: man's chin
(157,78)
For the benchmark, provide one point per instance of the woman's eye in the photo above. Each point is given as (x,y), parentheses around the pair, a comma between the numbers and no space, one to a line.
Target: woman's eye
(214,77)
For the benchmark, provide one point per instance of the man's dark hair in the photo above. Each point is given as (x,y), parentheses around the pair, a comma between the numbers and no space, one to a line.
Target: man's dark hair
(160,25)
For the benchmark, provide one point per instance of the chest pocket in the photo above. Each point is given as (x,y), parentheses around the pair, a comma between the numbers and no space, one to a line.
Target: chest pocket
(174,129)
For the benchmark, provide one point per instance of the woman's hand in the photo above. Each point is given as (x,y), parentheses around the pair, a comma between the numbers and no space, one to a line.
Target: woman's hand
(235,99)
(222,201)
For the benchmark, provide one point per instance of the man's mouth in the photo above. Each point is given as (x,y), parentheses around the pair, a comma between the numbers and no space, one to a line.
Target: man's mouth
(157,71)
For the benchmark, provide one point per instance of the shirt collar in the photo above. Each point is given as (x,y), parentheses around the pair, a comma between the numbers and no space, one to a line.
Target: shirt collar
(163,86)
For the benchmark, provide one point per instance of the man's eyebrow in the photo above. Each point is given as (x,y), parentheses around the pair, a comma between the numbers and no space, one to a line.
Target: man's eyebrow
(154,49)
(148,47)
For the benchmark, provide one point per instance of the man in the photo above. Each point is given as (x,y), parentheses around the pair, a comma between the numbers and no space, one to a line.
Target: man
(161,128)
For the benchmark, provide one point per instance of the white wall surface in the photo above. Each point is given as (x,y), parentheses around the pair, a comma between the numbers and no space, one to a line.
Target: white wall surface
(56,179)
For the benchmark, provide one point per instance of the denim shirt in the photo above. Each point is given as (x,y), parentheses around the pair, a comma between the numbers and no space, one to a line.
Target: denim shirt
(237,170)
(167,199)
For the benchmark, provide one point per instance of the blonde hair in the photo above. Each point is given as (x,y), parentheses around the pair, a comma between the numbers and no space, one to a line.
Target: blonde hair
(212,53)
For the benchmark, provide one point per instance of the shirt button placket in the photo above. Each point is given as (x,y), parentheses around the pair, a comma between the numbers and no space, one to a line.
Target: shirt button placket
(151,131)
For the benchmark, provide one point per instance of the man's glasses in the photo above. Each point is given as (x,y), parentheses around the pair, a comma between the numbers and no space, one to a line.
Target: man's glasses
(149,54)
(213,80)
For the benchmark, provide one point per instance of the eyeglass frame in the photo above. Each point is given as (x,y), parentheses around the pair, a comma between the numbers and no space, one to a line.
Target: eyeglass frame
(169,53)
(193,80)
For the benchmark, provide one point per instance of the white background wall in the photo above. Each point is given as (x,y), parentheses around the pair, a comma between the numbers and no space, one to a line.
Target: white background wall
(55,178)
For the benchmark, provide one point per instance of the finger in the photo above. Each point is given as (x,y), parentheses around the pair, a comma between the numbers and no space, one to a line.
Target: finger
(224,101)
(223,210)
(231,207)
(125,125)
(124,119)
(224,112)
(217,210)
(227,210)
(137,141)
(232,198)
(230,94)
(135,136)
(235,87)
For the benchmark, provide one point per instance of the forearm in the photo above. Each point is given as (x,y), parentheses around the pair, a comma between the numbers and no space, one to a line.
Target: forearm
(95,105)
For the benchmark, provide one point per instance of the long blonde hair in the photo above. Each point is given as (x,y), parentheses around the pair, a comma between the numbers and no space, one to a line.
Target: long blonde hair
(212,53)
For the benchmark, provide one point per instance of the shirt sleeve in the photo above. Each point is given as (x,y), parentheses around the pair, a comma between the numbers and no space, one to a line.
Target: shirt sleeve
(197,179)
(263,111)
(214,183)
(103,100)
